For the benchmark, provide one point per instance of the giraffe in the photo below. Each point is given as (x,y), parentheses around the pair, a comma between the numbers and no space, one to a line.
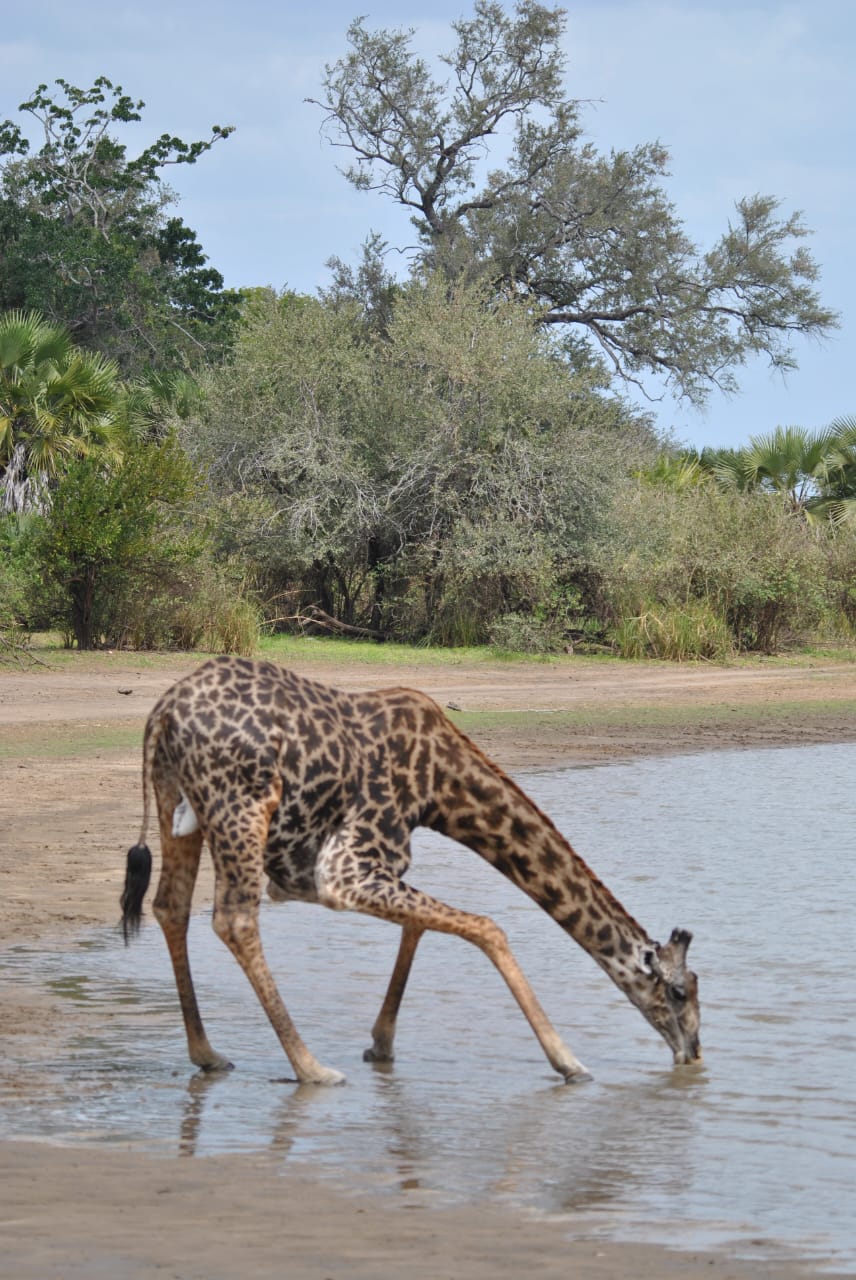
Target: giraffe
(319,790)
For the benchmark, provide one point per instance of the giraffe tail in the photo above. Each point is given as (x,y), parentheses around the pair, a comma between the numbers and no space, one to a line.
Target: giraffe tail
(138,870)
(138,873)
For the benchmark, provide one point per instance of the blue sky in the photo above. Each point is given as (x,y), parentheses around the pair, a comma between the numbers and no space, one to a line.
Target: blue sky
(748,97)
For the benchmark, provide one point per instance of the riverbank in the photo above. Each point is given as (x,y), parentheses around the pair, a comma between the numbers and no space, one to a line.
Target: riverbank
(69,807)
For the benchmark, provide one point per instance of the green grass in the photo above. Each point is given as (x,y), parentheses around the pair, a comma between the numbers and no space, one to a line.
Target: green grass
(640,716)
(285,649)
(47,647)
(56,741)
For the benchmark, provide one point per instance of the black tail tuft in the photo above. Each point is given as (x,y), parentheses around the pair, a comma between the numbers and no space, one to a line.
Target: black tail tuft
(137,877)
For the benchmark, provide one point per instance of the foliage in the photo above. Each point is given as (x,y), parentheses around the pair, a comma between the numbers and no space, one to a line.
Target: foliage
(109,535)
(591,240)
(17,575)
(840,573)
(197,605)
(753,563)
(56,402)
(86,240)
(679,632)
(420,482)
(836,499)
(814,472)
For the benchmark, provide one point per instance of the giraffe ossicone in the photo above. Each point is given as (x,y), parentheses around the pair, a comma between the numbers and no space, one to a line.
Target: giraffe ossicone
(318,791)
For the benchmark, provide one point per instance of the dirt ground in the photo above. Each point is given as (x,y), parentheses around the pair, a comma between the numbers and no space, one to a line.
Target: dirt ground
(69,808)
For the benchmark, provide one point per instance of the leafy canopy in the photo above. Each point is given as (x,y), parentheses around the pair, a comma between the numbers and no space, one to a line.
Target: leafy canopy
(85,237)
(592,240)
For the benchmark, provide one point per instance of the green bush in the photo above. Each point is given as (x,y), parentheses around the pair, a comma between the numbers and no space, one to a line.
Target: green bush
(205,610)
(757,566)
(113,535)
(840,576)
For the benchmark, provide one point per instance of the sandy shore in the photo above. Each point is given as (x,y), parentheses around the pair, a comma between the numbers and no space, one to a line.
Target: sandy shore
(69,807)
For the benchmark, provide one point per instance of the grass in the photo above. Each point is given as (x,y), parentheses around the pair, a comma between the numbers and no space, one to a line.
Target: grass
(47,647)
(642,716)
(56,741)
(285,648)
(50,740)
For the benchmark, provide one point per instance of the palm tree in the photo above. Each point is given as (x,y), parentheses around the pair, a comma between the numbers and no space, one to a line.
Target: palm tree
(791,461)
(837,498)
(814,471)
(56,402)
(727,468)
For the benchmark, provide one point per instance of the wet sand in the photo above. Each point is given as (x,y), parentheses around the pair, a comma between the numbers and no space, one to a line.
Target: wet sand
(69,807)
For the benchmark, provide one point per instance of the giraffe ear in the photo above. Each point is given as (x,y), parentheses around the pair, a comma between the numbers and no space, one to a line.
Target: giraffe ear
(680,940)
(665,961)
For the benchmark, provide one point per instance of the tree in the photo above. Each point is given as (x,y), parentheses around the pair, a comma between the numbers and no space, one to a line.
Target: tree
(109,532)
(813,471)
(56,403)
(837,498)
(790,461)
(591,239)
(85,239)
(425,479)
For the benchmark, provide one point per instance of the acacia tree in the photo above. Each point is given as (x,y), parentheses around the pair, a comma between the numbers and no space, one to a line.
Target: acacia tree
(591,238)
(427,481)
(85,237)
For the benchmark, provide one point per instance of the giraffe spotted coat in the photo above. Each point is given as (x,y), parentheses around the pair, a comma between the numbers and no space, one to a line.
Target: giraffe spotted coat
(317,791)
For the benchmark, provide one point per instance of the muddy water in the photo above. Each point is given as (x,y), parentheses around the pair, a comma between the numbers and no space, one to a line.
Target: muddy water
(754,851)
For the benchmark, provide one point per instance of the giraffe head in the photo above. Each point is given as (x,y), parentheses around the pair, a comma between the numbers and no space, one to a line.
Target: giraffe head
(670,1000)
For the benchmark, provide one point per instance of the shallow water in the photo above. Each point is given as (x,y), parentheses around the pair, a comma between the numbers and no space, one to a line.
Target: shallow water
(751,850)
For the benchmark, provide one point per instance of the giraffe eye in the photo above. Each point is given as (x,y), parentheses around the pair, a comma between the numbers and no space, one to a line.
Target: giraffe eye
(678,994)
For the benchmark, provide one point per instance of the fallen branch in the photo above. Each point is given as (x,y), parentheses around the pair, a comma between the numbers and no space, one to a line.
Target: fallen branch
(16,651)
(315,617)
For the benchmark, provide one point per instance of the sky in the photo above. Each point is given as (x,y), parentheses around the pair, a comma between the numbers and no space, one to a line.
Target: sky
(748,97)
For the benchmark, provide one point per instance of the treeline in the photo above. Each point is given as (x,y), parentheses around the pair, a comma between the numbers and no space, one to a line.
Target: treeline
(447,480)
(447,459)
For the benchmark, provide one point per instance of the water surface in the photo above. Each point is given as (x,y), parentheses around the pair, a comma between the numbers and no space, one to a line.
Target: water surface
(751,850)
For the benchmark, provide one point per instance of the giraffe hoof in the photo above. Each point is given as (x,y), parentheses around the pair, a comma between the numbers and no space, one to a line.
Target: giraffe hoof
(218,1064)
(378,1055)
(580,1076)
(325,1076)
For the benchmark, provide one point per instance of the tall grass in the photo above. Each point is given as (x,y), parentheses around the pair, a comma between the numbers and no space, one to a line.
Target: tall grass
(677,632)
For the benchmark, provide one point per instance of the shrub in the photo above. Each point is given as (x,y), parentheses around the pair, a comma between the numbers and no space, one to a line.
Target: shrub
(840,575)
(758,567)
(208,610)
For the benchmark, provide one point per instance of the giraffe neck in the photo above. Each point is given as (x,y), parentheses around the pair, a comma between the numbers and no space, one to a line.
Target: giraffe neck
(482,808)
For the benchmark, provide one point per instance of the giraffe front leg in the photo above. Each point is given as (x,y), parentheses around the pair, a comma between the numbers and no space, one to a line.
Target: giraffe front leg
(383,894)
(383,1031)
(494,943)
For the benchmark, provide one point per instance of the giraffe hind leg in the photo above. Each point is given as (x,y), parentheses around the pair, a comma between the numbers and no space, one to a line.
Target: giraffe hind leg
(179,866)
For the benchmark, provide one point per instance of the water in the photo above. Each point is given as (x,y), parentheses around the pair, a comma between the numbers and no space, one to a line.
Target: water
(751,850)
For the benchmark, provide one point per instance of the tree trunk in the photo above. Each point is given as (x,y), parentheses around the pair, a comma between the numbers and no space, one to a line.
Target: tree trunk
(82,591)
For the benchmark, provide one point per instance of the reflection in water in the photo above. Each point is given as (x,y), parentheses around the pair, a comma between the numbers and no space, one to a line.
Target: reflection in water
(749,850)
